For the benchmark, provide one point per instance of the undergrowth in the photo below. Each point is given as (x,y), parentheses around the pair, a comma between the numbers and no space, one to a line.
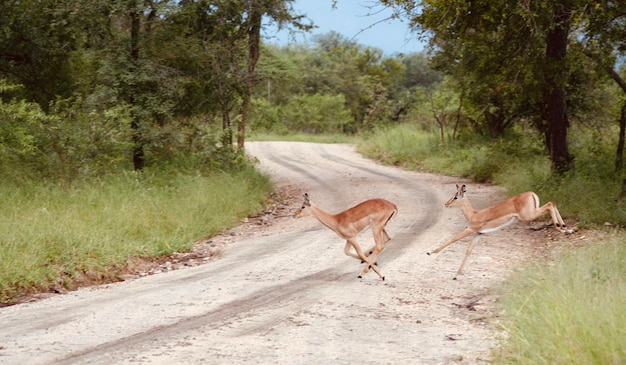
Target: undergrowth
(52,233)
(569,311)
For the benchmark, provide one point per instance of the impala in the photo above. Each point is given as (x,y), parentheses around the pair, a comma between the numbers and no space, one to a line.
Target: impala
(375,213)
(524,207)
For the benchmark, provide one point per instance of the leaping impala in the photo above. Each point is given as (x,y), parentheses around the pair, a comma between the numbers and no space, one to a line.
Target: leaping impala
(375,213)
(524,207)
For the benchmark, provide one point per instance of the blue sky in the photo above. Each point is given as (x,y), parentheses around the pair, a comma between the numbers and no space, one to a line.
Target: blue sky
(353,19)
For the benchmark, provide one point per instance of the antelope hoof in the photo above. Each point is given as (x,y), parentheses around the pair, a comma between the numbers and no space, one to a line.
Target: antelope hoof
(383,278)
(428,253)
(359,277)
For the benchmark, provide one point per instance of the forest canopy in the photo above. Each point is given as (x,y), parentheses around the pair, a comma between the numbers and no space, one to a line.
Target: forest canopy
(91,86)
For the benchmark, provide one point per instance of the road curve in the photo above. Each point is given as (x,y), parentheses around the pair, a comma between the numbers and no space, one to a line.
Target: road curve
(287,295)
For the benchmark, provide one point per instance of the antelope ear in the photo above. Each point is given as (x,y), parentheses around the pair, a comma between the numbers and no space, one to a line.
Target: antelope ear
(463,188)
(306,197)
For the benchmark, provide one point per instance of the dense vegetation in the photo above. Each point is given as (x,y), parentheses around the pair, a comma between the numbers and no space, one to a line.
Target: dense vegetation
(569,311)
(117,123)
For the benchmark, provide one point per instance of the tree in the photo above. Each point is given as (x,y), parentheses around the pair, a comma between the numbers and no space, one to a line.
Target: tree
(255,14)
(605,44)
(513,54)
(556,74)
(226,34)
(35,46)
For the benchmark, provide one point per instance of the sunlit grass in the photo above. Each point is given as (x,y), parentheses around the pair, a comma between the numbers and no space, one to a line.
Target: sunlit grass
(402,145)
(589,195)
(51,232)
(302,137)
(570,311)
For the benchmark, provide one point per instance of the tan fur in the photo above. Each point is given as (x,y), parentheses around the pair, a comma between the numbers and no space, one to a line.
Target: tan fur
(524,207)
(373,213)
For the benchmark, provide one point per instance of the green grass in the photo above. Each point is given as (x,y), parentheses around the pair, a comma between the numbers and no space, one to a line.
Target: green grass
(50,234)
(570,311)
(517,162)
(301,137)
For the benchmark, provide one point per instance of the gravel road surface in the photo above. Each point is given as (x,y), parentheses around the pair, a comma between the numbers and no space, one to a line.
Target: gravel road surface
(283,292)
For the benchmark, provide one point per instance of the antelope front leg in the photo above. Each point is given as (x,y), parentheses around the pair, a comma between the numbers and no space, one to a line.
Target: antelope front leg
(346,250)
(375,252)
(363,258)
(459,236)
(470,247)
(367,268)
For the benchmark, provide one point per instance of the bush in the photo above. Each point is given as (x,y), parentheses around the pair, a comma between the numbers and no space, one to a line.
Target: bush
(313,114)
(65,144)
(52,234)
(517,161)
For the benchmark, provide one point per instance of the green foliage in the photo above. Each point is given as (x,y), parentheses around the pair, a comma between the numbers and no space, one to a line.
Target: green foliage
(36,40)
(570,311)
(302,137)
(312,114)
(517,63)
(52,233)
(375,90)
(71,142)
(404,145)
(18,120)
(516,161)
(65,144)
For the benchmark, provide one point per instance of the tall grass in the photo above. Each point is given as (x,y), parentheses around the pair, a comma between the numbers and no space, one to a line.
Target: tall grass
(51,232)
(302,137)
(518,162)
(571,311)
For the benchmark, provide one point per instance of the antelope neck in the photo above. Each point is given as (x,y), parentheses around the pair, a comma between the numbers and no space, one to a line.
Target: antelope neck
(325,218)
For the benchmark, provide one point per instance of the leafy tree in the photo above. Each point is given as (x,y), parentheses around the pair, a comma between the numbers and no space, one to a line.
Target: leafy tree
(605,44)
(514,59)
(35,44)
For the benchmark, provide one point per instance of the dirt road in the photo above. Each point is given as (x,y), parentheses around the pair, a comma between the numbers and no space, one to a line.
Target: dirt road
(284,293)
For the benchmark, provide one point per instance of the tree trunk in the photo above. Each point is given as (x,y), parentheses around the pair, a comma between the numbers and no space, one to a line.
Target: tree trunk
(254,36)
(556,75)
(227,137)
(619,159)
(138,153)
(619,156)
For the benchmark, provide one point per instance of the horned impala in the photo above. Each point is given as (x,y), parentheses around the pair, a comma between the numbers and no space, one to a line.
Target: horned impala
(524,207)
(375,213)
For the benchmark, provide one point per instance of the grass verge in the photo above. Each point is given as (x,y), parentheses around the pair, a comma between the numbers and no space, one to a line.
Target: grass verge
(518,162)
(52,234)
(301,137)
(567,311)
(570,311)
